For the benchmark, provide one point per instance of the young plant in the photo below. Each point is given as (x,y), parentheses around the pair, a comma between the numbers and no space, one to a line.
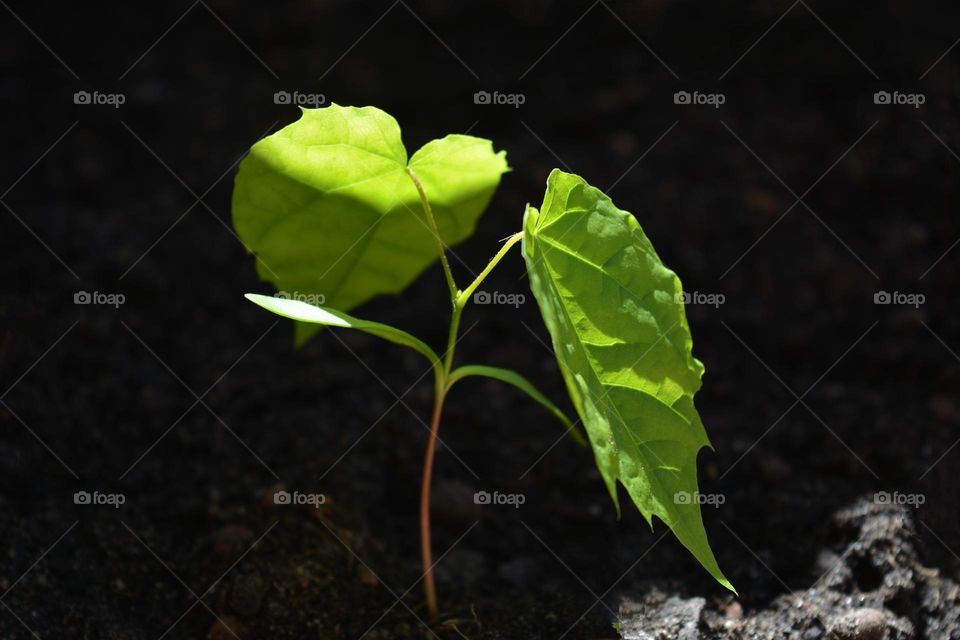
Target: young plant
(331,206)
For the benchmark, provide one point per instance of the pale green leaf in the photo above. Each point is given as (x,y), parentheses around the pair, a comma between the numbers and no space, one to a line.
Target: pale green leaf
(620,333)
(518,381)
(310,314)
(327,205)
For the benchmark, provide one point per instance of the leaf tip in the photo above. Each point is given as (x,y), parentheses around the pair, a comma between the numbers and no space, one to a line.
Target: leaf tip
(726,583)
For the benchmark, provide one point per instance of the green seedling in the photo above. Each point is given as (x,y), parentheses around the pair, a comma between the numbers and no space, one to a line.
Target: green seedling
(332,206)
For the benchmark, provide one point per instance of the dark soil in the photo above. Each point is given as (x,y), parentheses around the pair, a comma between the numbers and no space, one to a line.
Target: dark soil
(191,403)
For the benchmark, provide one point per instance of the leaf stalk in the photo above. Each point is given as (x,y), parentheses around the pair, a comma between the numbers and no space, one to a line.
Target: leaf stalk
(451,283)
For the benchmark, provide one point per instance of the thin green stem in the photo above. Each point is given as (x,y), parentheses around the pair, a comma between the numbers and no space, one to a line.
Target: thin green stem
(451,283)
(442,371)
(464,296)
(452,341)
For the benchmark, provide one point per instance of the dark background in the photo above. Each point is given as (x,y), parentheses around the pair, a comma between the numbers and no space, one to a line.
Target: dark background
(135,201)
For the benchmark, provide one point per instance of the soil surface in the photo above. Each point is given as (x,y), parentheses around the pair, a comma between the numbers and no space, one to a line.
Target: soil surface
(180,409)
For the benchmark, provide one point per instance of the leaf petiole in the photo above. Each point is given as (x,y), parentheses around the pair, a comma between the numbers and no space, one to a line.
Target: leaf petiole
(521,383)
(464,296)
(451,283)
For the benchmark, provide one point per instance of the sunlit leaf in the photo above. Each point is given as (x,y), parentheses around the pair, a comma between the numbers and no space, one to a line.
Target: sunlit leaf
(327,205)
(620,333)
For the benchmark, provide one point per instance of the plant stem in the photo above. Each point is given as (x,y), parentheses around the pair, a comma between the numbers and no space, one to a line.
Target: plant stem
(451,283)
(442,370)
(442,384)
(463,297)
(451,341)
(426,549)
(442,377)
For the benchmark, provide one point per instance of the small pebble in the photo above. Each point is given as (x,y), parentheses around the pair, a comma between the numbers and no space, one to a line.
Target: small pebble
(858,624)
(734,610)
